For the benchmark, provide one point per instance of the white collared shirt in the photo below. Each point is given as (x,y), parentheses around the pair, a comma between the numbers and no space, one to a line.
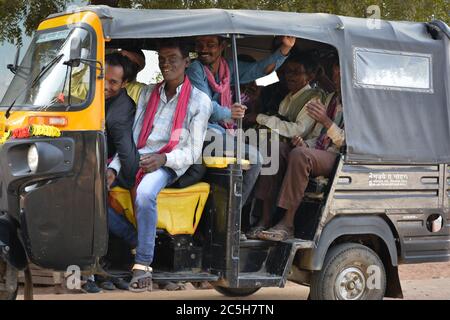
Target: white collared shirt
(189,147)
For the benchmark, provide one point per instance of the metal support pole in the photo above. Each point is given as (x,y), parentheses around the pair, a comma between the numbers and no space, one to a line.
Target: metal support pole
(237,90)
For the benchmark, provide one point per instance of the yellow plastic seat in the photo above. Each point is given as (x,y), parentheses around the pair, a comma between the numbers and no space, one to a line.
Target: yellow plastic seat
(179,210)
(223,162)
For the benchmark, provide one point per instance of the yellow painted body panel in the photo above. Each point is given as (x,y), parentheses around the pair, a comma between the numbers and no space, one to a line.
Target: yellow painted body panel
(179,210)
(2,124)
(223,162)
(90,118)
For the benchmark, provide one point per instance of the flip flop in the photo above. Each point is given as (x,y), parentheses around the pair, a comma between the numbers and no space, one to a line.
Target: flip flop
(277,233)
(141,281)
(254,232)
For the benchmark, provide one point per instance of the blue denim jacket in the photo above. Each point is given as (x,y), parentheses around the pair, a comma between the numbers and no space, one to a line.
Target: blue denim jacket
(248,72)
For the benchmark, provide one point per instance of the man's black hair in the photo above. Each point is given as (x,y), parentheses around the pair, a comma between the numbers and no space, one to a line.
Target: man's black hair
(129,68)
(309,63)
(135,50)
(175,43)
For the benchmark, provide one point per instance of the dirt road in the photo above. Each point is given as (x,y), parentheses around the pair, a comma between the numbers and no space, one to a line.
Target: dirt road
(424,281)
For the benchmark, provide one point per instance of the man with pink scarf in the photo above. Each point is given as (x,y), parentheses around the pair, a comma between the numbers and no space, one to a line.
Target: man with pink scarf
(169,129)
(214,75)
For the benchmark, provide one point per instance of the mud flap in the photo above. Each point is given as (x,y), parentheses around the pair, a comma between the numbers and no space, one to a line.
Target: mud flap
(8,287)
(11,249)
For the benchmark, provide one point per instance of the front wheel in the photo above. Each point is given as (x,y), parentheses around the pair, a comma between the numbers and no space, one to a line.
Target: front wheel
(235,292)
(6,271)
(350,272)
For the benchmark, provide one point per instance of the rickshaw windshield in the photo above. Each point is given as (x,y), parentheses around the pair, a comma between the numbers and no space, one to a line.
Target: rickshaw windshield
(43,80)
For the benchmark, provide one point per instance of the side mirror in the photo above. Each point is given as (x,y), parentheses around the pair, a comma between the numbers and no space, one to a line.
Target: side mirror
(13,67)
(75,52)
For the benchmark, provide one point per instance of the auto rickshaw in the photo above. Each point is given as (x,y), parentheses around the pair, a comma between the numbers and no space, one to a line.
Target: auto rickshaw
(387,202)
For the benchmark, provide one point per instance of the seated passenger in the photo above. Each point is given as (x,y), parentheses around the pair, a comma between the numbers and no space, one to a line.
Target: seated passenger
(79,85)
(271,95)
(119,115)
(212,74)
(169,129)
(293,119)
(313,157)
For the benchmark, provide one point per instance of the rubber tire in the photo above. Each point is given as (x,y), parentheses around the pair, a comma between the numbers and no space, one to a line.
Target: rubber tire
(343,256)
(6,295)
(235,292)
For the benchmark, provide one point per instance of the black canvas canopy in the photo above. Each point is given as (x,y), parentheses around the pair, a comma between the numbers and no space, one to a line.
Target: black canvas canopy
(395,75)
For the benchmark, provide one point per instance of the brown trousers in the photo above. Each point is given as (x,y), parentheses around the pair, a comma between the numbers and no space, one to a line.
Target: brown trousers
(296,166)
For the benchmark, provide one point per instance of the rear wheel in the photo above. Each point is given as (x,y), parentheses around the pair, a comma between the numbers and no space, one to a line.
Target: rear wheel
(5,271)
(235,292)
(350,272)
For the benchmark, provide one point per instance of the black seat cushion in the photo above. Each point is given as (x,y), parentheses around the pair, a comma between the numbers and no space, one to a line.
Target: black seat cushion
(193,175)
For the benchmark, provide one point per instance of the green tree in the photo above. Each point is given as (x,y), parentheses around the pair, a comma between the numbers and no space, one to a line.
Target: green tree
(412,10)
(27,12)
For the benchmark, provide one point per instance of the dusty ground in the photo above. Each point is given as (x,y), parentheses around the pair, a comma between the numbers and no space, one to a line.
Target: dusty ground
(425,271)
(420,281)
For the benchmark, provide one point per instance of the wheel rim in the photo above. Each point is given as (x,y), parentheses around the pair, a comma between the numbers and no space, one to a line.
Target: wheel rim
(350,284)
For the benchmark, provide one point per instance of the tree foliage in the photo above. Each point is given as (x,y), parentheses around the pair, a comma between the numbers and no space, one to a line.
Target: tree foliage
(410,10)
(14,14)
(23,16)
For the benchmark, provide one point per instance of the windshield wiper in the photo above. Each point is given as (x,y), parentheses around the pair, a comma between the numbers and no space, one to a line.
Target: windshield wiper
(8,112)
(43,71)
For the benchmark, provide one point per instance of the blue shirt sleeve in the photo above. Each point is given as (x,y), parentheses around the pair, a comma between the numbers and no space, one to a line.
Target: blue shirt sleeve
(250,71)
(219,112)
(198,78)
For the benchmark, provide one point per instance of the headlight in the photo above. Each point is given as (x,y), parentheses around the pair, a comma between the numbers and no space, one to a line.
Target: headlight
(33,158)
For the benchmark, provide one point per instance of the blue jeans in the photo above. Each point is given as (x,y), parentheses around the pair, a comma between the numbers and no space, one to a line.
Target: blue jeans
(146,216)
